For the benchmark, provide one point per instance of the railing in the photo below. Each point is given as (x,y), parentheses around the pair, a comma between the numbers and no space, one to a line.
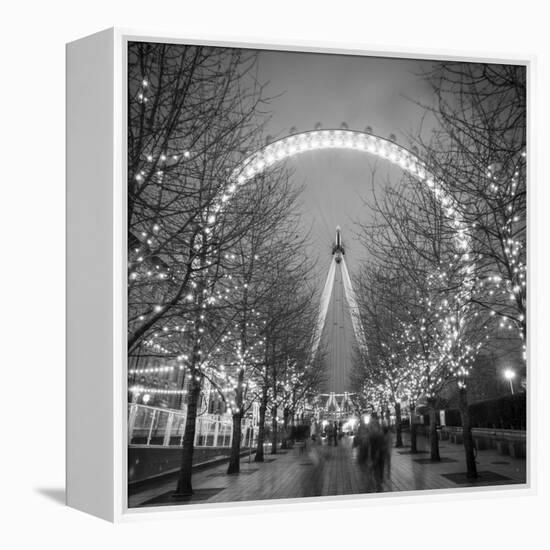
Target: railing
(165,427)
(506,442)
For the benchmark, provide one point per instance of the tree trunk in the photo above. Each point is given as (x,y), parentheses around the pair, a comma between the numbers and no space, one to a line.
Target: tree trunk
(261,431)
(184,487)
(284,442)
(414,448)
(235,457)
(274,430)
(398,427)
(434,442)
(471,469)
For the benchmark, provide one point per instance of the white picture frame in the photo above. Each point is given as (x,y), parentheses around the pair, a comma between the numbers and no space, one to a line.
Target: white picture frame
(96,296)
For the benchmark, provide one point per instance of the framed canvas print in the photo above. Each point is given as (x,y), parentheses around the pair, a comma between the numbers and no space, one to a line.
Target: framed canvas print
(295,274)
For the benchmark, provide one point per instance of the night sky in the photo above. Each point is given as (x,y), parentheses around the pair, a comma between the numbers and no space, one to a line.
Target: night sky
(381,93)
(331,89)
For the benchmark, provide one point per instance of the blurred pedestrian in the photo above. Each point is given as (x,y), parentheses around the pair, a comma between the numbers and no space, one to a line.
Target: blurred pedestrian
(388,445)
(361,442)
(377,453)
(313,431)
(330,433)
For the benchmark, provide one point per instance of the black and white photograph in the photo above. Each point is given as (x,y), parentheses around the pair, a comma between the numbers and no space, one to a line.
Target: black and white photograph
(326,275)
(275,275)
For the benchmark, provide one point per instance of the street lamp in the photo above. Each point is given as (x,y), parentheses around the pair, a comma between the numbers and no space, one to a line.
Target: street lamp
(509,374)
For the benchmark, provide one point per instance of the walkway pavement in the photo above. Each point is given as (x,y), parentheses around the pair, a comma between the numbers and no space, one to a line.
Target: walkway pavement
(334,471)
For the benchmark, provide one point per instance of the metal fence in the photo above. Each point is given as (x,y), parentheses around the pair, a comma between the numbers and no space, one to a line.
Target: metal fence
(165,427)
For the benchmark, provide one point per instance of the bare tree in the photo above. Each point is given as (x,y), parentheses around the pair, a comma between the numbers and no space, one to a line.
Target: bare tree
(290,317)
(381,365)
(415,238)
(479,154)
(193,113)
(262,267)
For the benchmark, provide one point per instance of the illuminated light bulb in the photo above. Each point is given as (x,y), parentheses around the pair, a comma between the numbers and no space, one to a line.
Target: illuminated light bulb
(139,177)
(158,308)
(186,154)
(150,158)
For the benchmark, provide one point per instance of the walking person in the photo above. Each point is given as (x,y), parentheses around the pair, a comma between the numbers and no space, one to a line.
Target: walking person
(361,443)
(388,445)
(330,433)
(377,453)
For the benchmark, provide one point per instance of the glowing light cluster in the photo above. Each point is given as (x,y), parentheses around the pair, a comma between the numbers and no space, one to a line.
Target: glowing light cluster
(160,391)
(313,140)
(328,139)
(153,370)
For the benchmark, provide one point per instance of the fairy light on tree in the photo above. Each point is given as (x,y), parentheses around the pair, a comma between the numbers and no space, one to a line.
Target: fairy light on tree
(167,195)
(418,240)
(481,154)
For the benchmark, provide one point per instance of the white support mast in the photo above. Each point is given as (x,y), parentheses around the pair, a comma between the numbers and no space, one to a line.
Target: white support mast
(338,259)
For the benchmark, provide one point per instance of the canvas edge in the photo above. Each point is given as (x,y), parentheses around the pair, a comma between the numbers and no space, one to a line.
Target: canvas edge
(90,422)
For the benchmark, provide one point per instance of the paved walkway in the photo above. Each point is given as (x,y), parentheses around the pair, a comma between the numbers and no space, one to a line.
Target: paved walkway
(334,471)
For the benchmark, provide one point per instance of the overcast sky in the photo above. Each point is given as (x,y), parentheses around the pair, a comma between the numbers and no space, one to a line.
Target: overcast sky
(331,89)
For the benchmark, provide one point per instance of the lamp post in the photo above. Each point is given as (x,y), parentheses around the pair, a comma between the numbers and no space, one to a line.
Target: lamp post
(509,374)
